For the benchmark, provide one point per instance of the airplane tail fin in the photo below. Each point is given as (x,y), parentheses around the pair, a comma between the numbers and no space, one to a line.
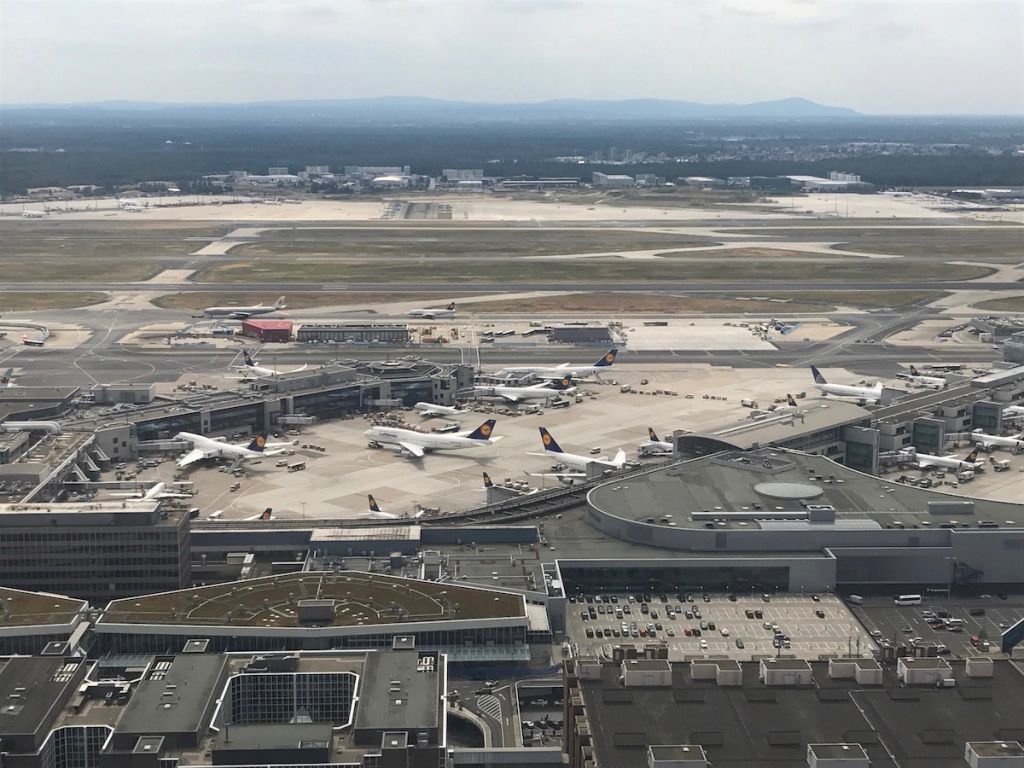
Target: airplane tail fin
(279,304)
(483,432)
(549,442)
(620,457)
(488,483)
(972,456)
(5,379)
(652,435)
(258,443)
(791,401)
(248,358)
(913,371)
(267,513)
(451,307)
(607,360)
(373,503)
(818,378)
(563,383)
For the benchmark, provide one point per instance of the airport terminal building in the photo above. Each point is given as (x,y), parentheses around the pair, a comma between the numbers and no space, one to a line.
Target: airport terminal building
(777,519)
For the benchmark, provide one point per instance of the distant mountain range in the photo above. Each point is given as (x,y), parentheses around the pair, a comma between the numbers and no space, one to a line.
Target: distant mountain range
(396,109)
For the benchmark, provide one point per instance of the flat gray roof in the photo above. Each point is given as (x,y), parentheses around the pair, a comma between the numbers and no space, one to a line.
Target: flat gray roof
(780,482)
(273,736)
(177,700)
(395,696)
(813,415)
(30,687)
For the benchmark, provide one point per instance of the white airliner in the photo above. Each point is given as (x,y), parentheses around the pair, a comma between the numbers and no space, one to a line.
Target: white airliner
(433,314)
(867,394)
(783,328)
(158,491)
(258,370)
(6,380)
(1016,442)
(1013,411)
(541,391)
(603,364)
(932,382)
(574,461)
(375,511)
(925,461)
(414,444)
(33,214)
(213,448)
(654,446)
(430,411)
(243,313)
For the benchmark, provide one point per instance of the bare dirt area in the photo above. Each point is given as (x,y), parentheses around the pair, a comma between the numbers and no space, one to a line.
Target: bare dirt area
(14,302)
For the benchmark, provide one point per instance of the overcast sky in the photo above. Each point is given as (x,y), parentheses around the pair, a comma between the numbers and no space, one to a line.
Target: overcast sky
(876,56)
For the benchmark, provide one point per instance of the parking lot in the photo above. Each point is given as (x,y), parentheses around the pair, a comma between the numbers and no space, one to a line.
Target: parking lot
(898,623)
(540,713)
(740,627)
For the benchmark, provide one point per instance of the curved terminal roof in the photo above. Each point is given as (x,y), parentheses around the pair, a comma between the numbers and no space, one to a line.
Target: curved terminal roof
(359,599)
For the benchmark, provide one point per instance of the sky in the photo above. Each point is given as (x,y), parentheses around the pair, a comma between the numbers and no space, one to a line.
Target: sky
(875,56)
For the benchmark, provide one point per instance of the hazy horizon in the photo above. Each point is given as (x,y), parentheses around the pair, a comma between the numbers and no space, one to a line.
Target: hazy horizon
(881,57)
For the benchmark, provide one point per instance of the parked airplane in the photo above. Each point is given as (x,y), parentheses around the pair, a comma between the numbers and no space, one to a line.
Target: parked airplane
(433,314)
(574,461)
(243,313)
(429,410)
(414,444)
(932,382)
(541,391)
(925,461)
(1013,411)
(6,379)
(157,491)
(654,446)
(213,448)
(783,328)
(867,394)
(603,364)
(375,511)
(259,370)
(1016,442)
(33,214)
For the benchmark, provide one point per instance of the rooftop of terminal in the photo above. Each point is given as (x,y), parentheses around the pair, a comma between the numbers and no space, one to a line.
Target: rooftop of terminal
(21,608)
(346,599)
(772,487)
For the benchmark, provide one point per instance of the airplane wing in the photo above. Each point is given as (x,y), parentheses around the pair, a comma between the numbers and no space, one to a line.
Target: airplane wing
(510,398)
(239,315)
(191,457)
(415,450)
(925,464)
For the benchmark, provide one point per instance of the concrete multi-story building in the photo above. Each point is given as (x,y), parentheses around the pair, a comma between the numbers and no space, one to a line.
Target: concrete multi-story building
(97,551)
(191,707)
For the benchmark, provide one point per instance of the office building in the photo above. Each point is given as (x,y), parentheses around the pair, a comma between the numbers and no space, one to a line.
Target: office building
(97,550)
